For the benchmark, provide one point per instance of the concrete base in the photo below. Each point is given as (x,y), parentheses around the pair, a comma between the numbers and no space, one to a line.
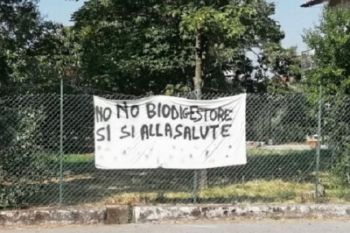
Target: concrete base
(118,214)
(67,215)
(158,213)
(123,214)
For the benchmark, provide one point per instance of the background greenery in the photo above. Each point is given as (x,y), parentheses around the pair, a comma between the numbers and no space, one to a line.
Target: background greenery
(137,48)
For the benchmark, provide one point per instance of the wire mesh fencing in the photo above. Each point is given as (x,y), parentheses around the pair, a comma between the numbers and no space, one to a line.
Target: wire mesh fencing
(48,160)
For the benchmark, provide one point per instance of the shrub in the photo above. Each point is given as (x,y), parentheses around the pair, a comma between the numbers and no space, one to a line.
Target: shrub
(22,166)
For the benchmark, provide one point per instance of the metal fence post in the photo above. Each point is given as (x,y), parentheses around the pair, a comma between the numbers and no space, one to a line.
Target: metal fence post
(319,141)
(198,93)
(61,143)
(195,186)
(200,178)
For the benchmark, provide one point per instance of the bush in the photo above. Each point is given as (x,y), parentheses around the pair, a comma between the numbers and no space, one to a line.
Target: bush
(336,134)
(22,166)
(342,167)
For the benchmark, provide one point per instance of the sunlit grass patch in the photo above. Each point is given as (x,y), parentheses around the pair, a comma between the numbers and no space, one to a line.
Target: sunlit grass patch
(253,191)
(78,158)
(260,191)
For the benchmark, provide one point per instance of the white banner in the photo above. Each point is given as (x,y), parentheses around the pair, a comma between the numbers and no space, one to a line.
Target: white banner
(169,132)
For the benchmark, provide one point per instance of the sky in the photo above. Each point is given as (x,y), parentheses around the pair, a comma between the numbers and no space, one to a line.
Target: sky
(293,19)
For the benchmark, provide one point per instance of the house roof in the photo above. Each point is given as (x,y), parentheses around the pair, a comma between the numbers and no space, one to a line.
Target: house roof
(312,3)
(331,3)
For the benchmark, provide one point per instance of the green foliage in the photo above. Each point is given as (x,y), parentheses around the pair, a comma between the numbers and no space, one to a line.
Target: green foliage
(141,46)
(30,49)
(22,167)
(284,64)
(224,22)
(31,54)
(280,118)
(342,168)
(331,42)
(176,90)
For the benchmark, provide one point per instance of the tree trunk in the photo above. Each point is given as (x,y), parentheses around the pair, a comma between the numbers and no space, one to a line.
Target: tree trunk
(198,82)
(198,77)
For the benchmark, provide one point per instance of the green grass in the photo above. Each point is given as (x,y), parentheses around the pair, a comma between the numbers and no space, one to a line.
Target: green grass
(253,191)
(258,191)
(270,176)
(276,152)
(78,158)
(88,158)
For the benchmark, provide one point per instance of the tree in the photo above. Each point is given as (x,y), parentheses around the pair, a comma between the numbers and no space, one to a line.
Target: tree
(22,166)
(141,46)
(331,42)
(29,53)
(285,68)
(28,45)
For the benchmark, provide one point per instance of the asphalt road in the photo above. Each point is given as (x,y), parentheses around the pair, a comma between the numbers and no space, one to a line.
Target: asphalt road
(280,226)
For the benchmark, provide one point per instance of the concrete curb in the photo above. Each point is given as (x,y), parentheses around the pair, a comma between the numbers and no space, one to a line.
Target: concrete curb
(123,214)
(67,215)
(143,214)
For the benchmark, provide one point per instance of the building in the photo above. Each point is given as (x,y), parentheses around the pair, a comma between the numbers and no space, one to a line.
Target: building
(331,3)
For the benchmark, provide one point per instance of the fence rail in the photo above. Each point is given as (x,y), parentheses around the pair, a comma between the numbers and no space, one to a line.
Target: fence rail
(36,170)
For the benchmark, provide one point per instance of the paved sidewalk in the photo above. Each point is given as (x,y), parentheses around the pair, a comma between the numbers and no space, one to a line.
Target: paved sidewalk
(285,226)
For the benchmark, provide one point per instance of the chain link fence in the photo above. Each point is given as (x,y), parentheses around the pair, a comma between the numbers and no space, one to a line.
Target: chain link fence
(38,169)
